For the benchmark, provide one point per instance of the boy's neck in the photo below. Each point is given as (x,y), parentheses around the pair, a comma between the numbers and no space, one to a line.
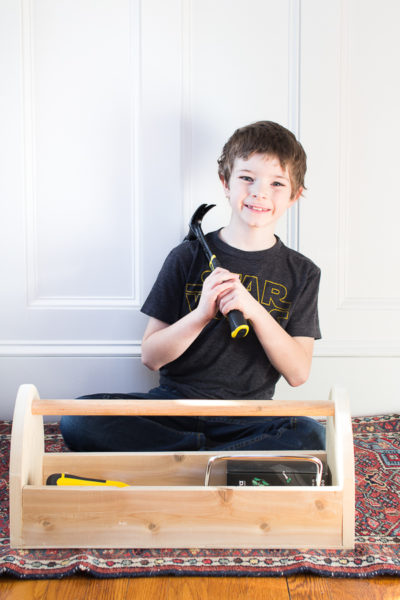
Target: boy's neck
(250,240)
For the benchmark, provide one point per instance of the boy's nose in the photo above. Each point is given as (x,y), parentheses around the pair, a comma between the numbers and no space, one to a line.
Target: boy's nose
(259,190)
(261,195)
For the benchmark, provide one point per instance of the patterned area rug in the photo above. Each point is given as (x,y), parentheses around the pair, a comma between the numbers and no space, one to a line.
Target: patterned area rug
(377,550)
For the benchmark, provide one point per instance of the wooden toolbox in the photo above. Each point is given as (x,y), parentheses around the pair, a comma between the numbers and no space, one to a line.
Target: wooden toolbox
(167,503)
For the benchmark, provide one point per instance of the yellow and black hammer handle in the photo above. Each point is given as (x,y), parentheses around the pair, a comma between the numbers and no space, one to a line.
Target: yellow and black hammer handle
(237,322)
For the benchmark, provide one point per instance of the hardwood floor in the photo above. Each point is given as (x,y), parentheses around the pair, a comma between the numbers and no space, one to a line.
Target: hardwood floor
(303,587)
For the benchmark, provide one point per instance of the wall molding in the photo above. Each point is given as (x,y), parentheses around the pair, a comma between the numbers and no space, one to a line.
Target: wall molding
(87,303)
(294,58)
(34,298)
(186,111)
(375,304)
(132,349)
(71,349)
(357,348)
(343,159)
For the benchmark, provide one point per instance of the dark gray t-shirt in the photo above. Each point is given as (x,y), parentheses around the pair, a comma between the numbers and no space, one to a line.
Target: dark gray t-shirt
(216,366)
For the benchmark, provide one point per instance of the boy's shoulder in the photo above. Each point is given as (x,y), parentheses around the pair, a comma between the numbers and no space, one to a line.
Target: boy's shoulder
(185,249)
(297,258)
(183,255)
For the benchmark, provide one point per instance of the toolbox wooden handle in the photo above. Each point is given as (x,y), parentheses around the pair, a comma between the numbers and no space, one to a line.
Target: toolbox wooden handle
(202,408)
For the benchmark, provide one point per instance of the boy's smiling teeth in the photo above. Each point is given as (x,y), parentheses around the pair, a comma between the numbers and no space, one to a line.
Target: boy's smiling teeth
(256,208)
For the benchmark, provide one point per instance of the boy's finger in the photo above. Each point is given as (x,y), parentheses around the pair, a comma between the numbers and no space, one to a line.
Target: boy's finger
(223,275)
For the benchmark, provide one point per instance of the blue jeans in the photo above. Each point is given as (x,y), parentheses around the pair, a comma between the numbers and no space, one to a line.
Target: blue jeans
(157,434)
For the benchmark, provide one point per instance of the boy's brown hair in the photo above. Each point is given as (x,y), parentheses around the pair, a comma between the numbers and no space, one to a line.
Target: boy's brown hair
(265,137)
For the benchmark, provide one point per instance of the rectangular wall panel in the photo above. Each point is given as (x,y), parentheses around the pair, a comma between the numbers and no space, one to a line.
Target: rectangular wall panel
(80,165)
(371,212)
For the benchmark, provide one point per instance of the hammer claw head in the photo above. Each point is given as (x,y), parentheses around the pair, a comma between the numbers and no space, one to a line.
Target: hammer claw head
(197,217)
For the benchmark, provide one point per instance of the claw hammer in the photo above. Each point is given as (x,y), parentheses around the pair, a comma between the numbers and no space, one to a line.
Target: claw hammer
(237,322)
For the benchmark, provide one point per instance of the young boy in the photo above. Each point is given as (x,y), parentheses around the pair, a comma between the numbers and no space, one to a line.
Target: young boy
(187,338)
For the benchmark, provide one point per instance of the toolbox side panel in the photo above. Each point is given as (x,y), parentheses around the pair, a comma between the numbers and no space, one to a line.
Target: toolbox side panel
(179,517)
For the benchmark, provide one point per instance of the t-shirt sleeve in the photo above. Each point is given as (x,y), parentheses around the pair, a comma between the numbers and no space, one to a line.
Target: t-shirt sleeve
(165,298)
(304,321)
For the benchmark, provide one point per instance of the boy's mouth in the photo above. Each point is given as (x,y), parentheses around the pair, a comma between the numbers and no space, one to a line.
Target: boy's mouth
(255,208)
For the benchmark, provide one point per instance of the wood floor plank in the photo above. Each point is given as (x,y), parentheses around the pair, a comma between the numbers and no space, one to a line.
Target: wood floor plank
(15,589)
(80,588)
(306,587)
(72,588)
(209,588)
(107,589)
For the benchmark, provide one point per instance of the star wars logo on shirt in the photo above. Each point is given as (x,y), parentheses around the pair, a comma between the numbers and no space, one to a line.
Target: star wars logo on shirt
(270,294)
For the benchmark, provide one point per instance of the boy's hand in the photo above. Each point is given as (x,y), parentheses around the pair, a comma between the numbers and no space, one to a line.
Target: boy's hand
(215,286)
(236,297)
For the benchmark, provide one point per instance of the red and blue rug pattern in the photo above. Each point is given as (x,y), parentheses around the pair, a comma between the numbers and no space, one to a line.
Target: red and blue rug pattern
(376,552)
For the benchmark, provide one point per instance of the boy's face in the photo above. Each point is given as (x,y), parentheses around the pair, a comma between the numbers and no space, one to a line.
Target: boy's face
(259,190)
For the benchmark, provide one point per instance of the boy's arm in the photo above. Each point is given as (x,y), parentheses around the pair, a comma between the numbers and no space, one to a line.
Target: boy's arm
(291,356)
(162,343)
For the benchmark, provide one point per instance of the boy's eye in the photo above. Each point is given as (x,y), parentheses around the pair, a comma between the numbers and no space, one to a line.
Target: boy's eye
(246,178)
(277,184)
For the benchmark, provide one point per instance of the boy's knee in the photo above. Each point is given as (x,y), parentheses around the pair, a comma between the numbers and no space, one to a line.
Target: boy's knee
(311,432)
(69,427)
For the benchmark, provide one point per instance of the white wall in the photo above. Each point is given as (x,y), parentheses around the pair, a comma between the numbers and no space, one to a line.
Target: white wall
(112,117)
(350,93)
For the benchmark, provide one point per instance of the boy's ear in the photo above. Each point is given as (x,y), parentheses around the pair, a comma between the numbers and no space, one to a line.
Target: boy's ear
(296,196)
(225,185)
